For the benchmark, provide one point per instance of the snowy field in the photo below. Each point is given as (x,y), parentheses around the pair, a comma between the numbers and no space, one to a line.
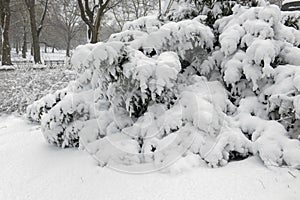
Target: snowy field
(22,86)
(32,169)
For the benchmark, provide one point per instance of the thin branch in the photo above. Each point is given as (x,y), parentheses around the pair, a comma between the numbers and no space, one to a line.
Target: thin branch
(83,15)
(88,11)
(42,18)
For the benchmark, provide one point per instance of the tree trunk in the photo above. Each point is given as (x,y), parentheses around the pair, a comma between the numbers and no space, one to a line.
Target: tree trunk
(94,38)
(36,46)
(17,46)
(24,46)
(34,30)
(53,49)
(6,58)
(68,46)
(1,42)
(1,25)
(31,49)
(45,47)
(35,37)
(87,15)
(159,8)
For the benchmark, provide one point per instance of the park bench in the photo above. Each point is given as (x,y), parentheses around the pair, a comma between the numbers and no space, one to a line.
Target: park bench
(54,62)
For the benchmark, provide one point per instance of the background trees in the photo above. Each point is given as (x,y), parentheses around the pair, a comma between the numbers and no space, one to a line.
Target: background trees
(5,24)
(65,16)
(19,30)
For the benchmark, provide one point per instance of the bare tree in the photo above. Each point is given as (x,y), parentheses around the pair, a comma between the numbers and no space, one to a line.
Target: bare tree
(65,16)
(19,26)
(92,13)
(36,29)
(5,23)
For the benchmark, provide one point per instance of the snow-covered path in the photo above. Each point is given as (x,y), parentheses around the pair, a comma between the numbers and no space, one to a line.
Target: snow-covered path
(32,169)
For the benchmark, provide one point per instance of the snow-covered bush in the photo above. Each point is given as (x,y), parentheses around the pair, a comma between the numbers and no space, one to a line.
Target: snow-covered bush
(208,10)
(38,108)
(172,36)
(291,18)
(256,52)
(260,59)
(159,91)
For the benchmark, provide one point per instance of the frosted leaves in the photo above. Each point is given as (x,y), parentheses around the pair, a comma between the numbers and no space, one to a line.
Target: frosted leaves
(156,139)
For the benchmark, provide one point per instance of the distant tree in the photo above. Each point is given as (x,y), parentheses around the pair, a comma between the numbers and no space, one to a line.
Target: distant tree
(36,29)
(65,16)
(19,27)
(24,44)
(5,24)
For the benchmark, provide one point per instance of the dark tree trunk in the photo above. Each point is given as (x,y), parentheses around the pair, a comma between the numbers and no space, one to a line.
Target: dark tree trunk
(0,42)
(6,58)
(45,48)
(17,46)
(94,24)
(53,49)
(1,25)
(94,37)
(35,37)
(31,49)
(35,32)
(24,46)
(159,8)
(68,47)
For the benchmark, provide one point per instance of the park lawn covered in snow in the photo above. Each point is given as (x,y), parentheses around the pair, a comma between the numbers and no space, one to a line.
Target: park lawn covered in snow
(32,169)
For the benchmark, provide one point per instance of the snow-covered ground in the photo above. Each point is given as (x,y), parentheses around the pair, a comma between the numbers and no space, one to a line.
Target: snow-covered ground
(32,169)
(57,55)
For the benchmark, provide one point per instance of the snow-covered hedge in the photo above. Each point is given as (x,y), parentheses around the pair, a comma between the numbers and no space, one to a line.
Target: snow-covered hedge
(291,18)
(159,91)
(260,67)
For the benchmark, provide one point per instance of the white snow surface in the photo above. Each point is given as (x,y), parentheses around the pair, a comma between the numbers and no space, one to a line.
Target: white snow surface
(31,169)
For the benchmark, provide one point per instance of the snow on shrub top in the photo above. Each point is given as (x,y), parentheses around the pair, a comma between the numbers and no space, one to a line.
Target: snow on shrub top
(146,24)
(259,33)
(172,36)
